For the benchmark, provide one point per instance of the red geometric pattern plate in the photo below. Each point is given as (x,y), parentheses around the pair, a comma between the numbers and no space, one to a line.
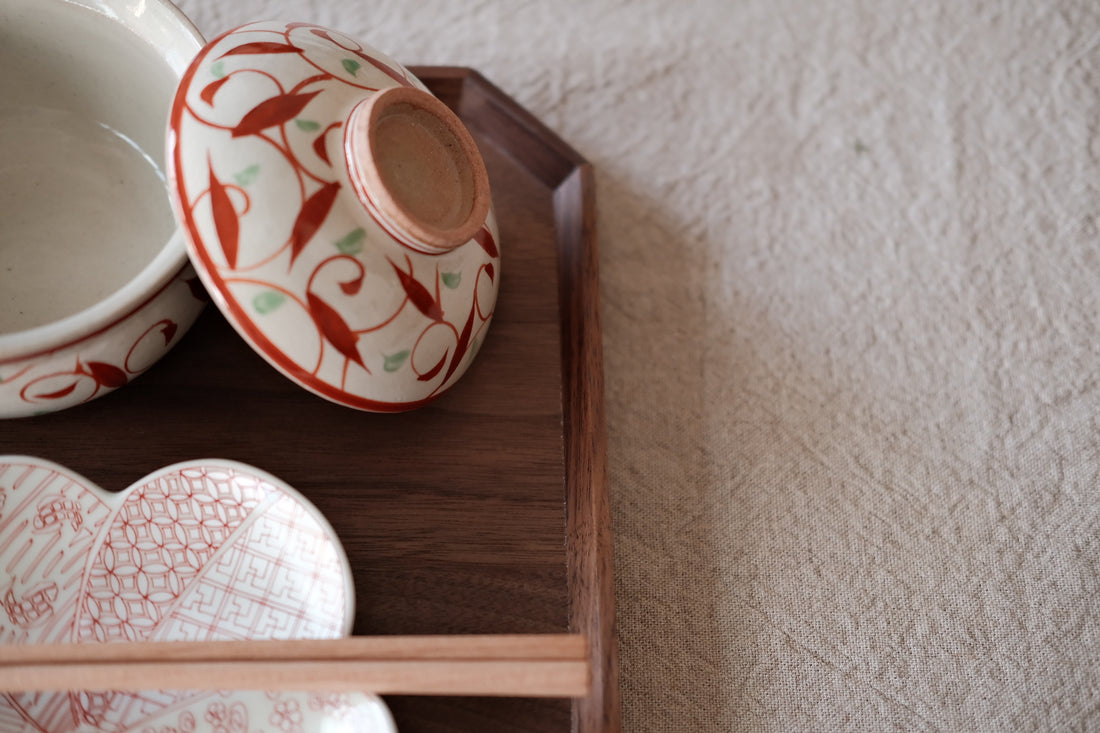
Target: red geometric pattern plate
(203,550)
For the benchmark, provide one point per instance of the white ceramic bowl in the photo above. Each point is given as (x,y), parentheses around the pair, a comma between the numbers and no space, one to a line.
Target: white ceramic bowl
(95,284)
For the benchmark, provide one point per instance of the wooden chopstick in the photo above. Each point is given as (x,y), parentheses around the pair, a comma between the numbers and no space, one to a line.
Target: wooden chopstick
(512,665)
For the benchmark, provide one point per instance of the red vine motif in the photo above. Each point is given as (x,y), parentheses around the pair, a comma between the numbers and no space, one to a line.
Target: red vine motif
(225,219)
(313,213)
(211,89)
(435,370)
(485,239)
(319,143)
(263,47)
(273,112)
(417,293)
(357,49)
(104,376)
(303,63)
(335,329)
(99,361)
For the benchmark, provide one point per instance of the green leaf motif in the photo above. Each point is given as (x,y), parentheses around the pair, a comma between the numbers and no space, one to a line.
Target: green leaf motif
(268,301)
(307,125)
(247,176)
(394,361)
(452,279)
(351,66)
(352,242)
(218,69)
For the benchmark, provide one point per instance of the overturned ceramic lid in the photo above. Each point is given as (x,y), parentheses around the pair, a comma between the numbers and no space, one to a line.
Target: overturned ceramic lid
(337,212)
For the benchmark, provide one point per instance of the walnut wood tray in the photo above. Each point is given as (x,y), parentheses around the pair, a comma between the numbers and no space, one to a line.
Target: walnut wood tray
(485,512)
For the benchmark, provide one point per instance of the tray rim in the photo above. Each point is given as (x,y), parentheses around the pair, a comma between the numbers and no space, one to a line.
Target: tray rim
(590,573)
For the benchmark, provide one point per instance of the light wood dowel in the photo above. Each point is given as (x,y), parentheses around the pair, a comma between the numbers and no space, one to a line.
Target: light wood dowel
(507,665)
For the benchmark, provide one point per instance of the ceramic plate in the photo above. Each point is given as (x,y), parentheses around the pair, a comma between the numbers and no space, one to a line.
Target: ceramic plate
(203,550)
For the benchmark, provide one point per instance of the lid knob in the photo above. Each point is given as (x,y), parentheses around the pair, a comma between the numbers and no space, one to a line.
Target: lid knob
(416,169)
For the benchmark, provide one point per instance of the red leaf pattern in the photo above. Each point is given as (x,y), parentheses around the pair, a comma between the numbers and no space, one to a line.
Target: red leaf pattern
(168,330)
(335,329)
(313,214)
(319,143)
(106,375)
(383,67)
(198,292)
(261,47)
(431,373)
(63,392)
(463,344)
(208,92)
(271,112)
(225,219)
(485,239)
(351,287)
(419,295)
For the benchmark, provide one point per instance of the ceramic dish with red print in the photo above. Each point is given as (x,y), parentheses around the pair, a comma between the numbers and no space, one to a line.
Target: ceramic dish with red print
(338,214)
(203,550)
(95,284)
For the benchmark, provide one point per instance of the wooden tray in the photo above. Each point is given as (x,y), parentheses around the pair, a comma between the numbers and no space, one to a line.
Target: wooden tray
(486,512)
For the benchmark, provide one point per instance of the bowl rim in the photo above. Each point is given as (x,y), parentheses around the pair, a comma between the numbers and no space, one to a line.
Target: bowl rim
(169,261)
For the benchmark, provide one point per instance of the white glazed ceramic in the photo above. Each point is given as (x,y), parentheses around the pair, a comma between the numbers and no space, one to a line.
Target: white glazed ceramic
(297,169)
(203,550)
(95,285)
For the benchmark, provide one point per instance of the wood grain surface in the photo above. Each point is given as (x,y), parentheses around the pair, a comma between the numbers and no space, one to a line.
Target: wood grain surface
(485,512)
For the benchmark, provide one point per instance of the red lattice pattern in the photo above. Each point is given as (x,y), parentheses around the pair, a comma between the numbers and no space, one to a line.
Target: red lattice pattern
(161,538)
(191,554)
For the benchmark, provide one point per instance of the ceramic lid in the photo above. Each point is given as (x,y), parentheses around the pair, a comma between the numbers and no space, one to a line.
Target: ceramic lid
(336,211)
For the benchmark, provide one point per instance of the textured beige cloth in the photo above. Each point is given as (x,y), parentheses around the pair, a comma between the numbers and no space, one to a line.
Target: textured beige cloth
(850,280)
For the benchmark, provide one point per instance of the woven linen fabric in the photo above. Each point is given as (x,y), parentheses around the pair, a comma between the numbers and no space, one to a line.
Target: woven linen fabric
(851,295)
